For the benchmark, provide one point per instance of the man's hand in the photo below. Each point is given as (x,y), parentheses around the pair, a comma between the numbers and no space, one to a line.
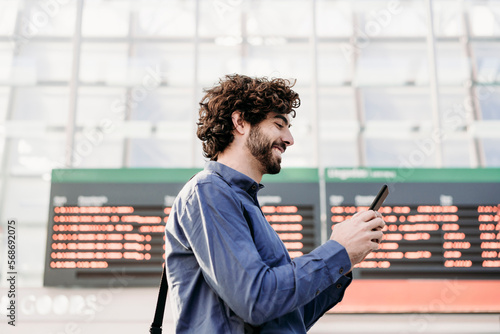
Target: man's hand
(359,235)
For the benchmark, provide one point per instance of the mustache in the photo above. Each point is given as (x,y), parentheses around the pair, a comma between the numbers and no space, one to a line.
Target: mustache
(280,144)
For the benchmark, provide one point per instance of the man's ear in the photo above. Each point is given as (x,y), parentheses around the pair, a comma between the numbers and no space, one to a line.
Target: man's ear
(240,125)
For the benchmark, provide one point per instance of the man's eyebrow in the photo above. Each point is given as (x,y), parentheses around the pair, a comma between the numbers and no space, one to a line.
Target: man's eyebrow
(284,119)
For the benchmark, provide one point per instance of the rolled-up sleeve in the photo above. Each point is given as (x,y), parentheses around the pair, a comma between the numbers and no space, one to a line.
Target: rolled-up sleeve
(220,238)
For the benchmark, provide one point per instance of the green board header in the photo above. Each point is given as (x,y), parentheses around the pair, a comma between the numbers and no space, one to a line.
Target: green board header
(391,175)
(159,175)
(123,175)
(287,175)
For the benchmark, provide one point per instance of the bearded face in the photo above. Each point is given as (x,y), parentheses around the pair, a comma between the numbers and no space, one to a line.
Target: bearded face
(265,150)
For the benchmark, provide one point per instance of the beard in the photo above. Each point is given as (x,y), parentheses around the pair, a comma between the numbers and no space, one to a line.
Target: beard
(261,147)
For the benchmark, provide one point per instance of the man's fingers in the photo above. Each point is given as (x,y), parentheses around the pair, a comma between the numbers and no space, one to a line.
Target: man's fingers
(374,244)
(357,214)
(366,215)
(376,224)
(377,235)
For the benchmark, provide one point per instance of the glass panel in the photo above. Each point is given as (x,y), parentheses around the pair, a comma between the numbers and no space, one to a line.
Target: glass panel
(97,106)
(2,150)
(6,55)
(390,104)
(400,152)
(280,60)
(452,64)
(457,152)
(389,18)
(220,18)
(173,63)
(487,62)
(49,18)
(279,18)
(336,104)
(334,65)
(172,18)
(484,18)
(448,17)
(489,102)
(393,64)
(4,102)
(215,61)
(52,61)
(36,156)
(106,18)
(302,152)
(455,108)
(104,63)
(167,104)
(23,71)
(333,18)
(95,149)
(339,153)
(48,104)
(8,14)
(160,153)
(199,159)
(491,147)
(27,201)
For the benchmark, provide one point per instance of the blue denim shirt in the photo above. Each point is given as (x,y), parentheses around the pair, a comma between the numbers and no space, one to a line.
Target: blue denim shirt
(222,275)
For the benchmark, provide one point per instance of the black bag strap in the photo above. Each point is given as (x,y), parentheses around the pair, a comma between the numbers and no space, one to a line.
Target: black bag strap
(160,305)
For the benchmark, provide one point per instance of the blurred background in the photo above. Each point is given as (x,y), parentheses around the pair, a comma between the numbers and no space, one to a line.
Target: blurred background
(116,83)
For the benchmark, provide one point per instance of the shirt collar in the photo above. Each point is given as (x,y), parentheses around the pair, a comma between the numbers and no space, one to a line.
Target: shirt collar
(234,178)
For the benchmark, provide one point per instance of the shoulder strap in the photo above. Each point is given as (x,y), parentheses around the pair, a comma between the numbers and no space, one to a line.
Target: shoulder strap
(162,300)
(160,305)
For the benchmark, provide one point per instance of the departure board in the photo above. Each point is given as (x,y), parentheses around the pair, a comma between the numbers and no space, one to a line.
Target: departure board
(441,223)
(108,224)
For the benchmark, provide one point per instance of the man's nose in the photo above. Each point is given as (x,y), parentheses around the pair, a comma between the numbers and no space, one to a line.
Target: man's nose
(288,138)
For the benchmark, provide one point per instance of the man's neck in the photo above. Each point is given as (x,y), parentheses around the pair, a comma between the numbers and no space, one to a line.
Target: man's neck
(243,162)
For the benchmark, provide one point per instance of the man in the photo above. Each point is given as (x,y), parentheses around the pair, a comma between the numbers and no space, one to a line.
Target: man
(227,269)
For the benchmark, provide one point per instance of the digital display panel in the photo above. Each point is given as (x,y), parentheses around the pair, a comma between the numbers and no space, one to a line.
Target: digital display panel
(440,223)
(105,224)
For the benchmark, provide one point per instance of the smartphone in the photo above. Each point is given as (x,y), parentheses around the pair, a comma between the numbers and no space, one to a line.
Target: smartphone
(379,199)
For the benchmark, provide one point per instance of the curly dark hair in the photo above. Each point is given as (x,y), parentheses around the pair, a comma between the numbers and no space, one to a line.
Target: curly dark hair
(253,97)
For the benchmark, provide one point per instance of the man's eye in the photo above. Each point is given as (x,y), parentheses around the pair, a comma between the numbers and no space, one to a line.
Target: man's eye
(280,126)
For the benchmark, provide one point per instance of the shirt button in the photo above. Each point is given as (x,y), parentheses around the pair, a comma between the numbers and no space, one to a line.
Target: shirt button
(341,271)
(254,187)
(339,286)
(317,292)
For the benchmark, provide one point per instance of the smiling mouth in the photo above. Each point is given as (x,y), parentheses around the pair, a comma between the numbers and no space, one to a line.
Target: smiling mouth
(279,147)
